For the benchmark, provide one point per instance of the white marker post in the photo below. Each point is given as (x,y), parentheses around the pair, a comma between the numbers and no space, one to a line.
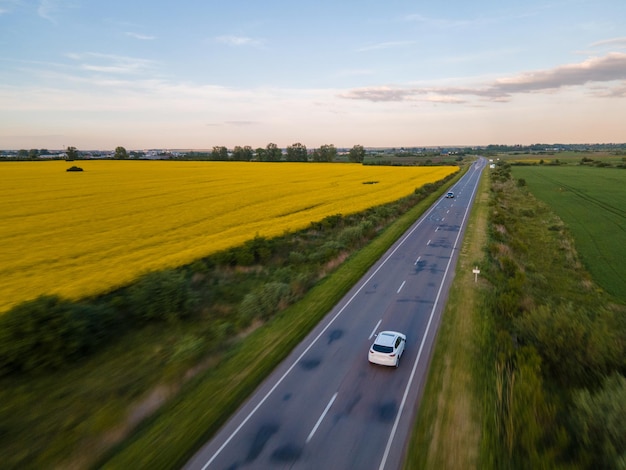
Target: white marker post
(476,272)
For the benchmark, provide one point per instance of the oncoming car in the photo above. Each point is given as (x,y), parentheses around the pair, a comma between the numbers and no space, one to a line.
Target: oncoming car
(387,348)
(450,195)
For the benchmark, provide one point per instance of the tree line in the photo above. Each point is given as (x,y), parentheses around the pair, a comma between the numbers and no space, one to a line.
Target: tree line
(296,152)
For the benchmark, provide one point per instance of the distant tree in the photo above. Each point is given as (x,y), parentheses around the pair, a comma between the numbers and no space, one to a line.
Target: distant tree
(121,153)
(243,154)
(297,153)
(260,154)
(44,152)
(219,153)
(356,154)
(273,153)
(326,153)
(23,153)
(248,152)
(72,153)
(33,153)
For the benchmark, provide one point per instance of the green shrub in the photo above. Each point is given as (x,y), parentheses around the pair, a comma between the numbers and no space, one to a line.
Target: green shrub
(163,295)
(48,332)
(264,302)
(599,420)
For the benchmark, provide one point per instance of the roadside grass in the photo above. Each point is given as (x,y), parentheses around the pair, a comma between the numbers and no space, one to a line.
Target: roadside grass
(170,437)
(447,431)
(592,204)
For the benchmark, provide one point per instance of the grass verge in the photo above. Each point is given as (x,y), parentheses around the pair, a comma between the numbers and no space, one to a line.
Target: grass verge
(171,436)
(447,432)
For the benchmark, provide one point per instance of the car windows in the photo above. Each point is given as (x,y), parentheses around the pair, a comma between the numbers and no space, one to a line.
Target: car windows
(398,342)
(382,349)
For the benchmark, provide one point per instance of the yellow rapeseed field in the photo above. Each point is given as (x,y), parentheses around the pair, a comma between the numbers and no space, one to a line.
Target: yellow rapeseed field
(77,234)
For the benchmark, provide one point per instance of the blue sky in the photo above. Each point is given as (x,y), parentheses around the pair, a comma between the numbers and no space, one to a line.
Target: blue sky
(195,74)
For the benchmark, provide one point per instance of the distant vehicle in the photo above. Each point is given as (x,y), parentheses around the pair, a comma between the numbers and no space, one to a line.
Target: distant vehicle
(450,195)
(387,348)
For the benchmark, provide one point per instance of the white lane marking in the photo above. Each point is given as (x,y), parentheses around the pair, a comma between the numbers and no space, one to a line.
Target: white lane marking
(401,286)
(427,244)
(375,329)
(437,229)
(321,333)
(443,219)
(448,211)
(417,260)
(421,349)
(319,421)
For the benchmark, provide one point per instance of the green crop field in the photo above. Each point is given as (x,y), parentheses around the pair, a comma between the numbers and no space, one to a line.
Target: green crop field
(592,203)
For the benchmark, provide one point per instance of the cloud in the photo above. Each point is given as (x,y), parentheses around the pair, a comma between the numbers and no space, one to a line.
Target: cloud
(596,69)
(238,41)
(109,63)
(439,22)
(142,37)
(240,123)
(385,45)
(615,42)
(380,93)
(48,9)
(611,67)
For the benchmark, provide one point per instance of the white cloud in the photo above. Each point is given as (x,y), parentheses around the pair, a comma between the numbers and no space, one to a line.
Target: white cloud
(49,9)
(610,68)
(141,37)
(615,42)
(439,22)
(385,45)
(110,63)
(237,41)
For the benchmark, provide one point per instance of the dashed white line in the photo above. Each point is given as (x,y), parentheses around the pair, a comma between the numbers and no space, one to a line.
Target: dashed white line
(401,286)
(319,421)
(428,244)
(375,328)
(417,260)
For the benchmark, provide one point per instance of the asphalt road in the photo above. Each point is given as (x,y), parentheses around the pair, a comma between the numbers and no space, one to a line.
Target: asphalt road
(326,406)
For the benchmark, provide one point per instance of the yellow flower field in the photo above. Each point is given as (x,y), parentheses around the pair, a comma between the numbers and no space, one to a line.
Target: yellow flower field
(77,234)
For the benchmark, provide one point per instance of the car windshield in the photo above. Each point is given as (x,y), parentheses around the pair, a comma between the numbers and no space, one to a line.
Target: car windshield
(382,349)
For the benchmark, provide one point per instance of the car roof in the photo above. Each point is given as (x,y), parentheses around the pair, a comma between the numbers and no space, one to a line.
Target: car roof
(386,338)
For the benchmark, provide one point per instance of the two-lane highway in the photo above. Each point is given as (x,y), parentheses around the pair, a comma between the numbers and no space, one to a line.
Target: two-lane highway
(326,406)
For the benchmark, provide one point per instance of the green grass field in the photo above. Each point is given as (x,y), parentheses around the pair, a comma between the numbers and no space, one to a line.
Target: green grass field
(592,203)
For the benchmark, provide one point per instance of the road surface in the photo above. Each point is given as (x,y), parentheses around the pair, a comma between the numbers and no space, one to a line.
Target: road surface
(326,406)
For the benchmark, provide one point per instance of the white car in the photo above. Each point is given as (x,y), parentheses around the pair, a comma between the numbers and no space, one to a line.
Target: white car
(387,348)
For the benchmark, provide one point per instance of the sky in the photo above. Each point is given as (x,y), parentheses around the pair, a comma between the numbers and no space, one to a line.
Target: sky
(193,74)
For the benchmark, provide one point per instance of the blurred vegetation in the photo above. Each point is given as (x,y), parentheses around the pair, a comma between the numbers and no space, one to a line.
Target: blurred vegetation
(558,347)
